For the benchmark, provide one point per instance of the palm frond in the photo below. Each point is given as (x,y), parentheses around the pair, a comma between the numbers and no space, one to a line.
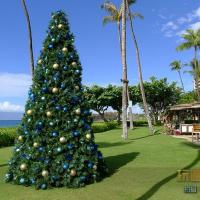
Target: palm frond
(135,15)
(110,8)
(108,19)
(183,46)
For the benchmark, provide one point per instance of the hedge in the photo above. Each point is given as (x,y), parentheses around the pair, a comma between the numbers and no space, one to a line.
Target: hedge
(7,135)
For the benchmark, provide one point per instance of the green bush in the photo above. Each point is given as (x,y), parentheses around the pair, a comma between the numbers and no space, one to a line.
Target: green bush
(7,136)
(102,126)
(140,123)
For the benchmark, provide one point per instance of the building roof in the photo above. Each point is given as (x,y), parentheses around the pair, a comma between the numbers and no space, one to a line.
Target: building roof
(185,106)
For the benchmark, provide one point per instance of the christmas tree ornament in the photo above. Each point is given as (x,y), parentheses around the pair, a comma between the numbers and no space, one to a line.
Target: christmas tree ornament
(55,90)
(78,111)
(35,144)
(29,112)
(57,120)
(62,140)
(40,61)
(73,172)
(95,167)
(64,49)
(74,64)
(23,167)
(88,136)
(77,87)
(60,26)
(49,114)
(55,66)
(20,138)
(45,173)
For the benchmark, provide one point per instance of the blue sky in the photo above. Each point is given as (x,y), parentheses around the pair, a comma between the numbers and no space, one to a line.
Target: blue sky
(158,35)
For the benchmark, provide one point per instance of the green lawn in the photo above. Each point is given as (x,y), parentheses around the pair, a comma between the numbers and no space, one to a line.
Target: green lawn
(141,168)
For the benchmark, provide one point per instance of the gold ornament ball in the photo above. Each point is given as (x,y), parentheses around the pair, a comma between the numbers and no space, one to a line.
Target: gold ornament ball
(35,144)
(49,114)
(60,25)
(20,138)
(29,112)
(40,61)
(78,111)
(45,173)
(55,90)
(88,136)
(62,140)
(95,167)
(73,172)
(74,64)
(23,167)
(55,66)
(65,49)
(77,87)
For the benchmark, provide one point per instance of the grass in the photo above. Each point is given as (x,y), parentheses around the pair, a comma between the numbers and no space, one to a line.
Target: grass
(143,167)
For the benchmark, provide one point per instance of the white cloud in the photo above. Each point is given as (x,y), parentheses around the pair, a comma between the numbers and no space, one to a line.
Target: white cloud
(8,107)
(169,26)
(197,13)
(14,85)
(195,26)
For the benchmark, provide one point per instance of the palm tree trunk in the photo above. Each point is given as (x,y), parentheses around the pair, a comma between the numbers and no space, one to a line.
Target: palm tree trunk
(128,96)
(130,111)
(196,73)
(146,109)
(179,73)
(124,78)
(30,37)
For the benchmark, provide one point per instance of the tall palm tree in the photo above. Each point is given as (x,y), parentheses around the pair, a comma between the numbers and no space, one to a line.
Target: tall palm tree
(191,40)
(146,109)
(176,66)
(195,71)
(115,16)
(30,37)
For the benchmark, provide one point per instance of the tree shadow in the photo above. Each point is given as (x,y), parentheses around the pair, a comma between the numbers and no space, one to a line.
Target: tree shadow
(190,144)
(158,185)
(108,144)
(116,162)
(3,165)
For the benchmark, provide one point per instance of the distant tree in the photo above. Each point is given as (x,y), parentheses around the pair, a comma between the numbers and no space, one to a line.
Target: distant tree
(96,99)
(160,95)
(30,36)
(188,97)
(176,66)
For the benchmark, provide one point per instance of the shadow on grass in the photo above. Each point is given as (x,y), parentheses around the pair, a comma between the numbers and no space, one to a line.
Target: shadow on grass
(3,165)
(118,161)
(158,185)
(190,144)
(108,144)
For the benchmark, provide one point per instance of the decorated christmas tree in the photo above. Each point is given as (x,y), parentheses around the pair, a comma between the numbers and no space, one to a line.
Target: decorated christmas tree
(55,144)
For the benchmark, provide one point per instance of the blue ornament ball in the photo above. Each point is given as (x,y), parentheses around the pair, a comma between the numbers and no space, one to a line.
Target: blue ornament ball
(43,186)
(50,46)
(65,166)
(22,180)
(58,108)
(90,165)
(55,134)
(65,109)
(70,146)
(41,149)
(59,149)
(65,68)
(62,86)
(76,133)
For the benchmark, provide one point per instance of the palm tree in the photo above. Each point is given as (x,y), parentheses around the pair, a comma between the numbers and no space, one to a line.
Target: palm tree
(115,16)
(30,37)
(146,109)
(191,40)
(195,72)
(176,66)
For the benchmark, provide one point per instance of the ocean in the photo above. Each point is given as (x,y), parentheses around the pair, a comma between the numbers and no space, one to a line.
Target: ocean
(9,123)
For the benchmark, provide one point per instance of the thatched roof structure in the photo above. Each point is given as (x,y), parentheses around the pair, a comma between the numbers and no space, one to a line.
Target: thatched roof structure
(187,106)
